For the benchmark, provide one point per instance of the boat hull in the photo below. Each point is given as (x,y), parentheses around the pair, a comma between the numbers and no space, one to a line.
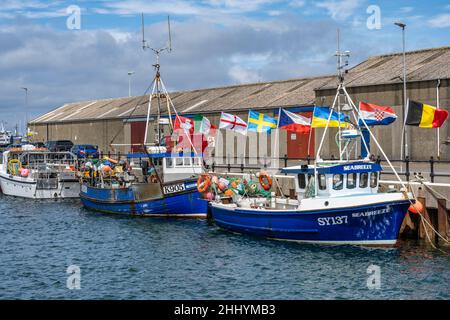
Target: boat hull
(184,204)
(375,224)
(27,188)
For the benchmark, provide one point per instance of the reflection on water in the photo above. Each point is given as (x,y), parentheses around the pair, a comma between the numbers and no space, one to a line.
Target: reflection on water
(132,258)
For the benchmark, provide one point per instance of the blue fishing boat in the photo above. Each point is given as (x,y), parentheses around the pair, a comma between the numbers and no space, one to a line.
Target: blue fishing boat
(156,181)
(347,209)
(338,202)
(168,189)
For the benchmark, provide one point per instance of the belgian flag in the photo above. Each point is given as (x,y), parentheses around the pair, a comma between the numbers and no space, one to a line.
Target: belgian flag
(425,116)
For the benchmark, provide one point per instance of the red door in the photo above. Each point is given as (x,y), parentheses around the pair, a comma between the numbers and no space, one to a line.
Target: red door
(297,143)
(137,136)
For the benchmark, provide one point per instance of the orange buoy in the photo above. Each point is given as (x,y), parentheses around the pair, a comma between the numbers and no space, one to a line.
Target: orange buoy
(416,208)
(203,183)
(265,181)
(229,193)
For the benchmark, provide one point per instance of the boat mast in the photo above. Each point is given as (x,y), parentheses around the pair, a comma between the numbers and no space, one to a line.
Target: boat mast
(158,87)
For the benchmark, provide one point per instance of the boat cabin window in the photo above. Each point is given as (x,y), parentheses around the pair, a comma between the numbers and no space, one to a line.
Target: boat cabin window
(187,161)
(301,181)
(338,181)
(179,162)
(169,163)
(351,181)
(374,179)
(196,161)
(157,161)
(363,180)
(322,182)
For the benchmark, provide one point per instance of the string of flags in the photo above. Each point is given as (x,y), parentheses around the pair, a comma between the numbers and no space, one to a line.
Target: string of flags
(418,114)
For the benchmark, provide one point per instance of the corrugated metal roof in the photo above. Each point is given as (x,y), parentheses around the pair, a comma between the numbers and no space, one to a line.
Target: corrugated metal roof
(422,65)
(296,92)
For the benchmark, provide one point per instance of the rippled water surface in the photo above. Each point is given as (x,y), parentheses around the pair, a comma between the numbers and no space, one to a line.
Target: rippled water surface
(134,258)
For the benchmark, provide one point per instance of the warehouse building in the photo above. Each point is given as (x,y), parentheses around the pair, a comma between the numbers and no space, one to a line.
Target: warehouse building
(377,80)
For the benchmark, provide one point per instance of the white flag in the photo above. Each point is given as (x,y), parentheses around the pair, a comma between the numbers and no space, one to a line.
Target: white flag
(233,123)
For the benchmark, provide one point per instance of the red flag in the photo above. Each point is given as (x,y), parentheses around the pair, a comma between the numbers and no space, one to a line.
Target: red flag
(184,123)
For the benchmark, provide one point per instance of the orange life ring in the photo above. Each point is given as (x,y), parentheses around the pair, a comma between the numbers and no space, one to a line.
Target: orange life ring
(203,183)
(265,181)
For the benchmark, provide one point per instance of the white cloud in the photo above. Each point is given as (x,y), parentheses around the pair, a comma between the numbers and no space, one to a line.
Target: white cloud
(297,3)
(406,9)
(241,74)
(241,5)
(340,9)
(130,7)
(441,21)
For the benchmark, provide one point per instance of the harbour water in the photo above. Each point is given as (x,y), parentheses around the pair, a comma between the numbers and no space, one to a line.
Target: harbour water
(134,258)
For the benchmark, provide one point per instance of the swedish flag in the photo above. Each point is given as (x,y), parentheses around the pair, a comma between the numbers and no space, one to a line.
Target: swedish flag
(259,122)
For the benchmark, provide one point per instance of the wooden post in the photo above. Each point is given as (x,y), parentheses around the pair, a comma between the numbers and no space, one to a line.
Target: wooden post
(423,225)
(407,227)
(442,219)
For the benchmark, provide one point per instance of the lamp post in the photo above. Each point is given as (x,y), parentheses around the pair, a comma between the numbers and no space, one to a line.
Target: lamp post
(405,151)
(26,108)
(130,73)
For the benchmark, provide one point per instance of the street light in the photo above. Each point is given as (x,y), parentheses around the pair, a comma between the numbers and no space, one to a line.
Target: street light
(405,151)
(26,108)
(130,73)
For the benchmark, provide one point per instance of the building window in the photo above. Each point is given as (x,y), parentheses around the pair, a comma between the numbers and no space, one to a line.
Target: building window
(351,181)
(338,181)
(363,180)
(301,181)
(374,179)
(322,182)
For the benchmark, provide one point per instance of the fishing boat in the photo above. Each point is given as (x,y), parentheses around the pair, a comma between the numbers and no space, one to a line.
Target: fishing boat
(157,181)
(162,185)
(338,202)
(5,136)
(33,173)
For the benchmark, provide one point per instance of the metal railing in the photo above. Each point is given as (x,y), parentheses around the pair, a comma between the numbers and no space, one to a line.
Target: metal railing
(243,163)
(407,167)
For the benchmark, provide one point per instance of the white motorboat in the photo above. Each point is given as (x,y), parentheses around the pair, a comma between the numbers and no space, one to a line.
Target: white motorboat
(33,173)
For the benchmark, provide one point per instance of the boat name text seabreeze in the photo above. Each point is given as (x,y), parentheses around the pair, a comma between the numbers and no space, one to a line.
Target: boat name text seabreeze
(372,213)
(358,167)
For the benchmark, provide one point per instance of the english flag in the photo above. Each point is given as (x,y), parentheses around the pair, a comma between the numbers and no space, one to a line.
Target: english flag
(375,115)
(233,123)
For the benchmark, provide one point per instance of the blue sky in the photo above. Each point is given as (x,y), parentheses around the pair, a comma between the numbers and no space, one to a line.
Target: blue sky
(216,42)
